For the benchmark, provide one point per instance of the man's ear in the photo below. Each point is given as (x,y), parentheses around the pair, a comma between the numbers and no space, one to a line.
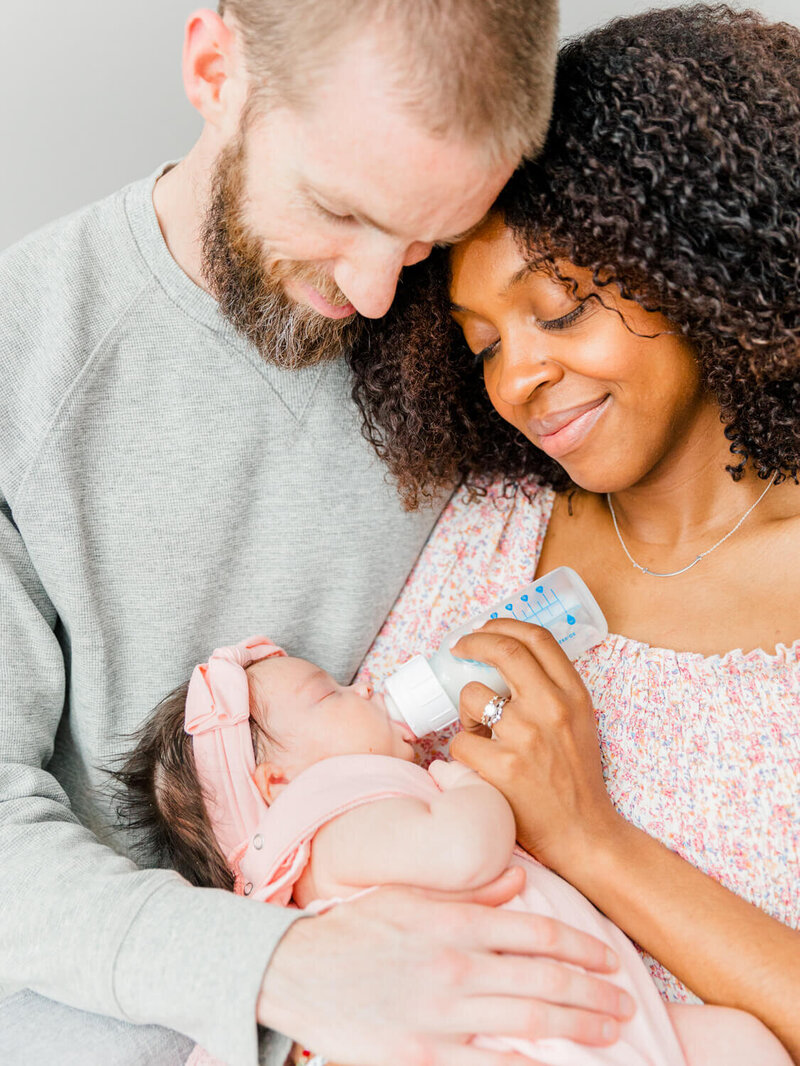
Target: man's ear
(213,74)
(270,781)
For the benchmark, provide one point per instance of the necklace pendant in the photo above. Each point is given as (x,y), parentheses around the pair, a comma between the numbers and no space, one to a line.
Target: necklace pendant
(702,555)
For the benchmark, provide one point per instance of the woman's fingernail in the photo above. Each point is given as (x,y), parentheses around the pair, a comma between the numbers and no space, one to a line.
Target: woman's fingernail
(612,962)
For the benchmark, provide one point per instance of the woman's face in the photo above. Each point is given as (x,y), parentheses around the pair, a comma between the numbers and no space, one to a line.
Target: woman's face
(609,392)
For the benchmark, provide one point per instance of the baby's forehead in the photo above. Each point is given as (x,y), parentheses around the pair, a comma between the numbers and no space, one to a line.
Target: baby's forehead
(282,673)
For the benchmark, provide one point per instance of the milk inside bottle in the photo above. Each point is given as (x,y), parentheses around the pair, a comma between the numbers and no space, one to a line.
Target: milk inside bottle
(424,692)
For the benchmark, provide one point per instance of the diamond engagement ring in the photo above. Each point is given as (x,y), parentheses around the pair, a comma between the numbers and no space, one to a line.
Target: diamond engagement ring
(493,711)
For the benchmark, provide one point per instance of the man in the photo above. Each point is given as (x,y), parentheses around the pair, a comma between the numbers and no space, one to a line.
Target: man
(181,465)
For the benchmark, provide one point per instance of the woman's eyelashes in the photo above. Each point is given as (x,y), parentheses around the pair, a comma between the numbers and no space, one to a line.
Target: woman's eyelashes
(562,322)
(486,353)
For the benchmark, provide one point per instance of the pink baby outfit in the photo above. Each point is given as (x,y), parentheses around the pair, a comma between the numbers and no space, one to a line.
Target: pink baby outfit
(703,753)
(343,782)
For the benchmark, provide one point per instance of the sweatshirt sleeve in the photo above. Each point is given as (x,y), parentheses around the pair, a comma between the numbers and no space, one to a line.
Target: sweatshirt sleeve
(80,923)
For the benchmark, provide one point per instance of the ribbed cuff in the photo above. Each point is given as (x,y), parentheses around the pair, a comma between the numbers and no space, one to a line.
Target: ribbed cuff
(193,960)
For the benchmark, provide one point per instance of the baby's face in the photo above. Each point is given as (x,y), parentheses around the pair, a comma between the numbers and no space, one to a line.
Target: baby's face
(313,717)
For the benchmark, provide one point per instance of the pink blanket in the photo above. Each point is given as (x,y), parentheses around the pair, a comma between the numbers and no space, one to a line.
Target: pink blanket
(338,784)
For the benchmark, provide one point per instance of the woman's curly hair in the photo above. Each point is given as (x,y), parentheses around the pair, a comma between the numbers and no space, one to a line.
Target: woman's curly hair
(671,169)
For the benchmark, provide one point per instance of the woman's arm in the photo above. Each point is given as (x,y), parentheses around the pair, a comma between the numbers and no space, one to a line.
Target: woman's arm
(545,759)
(462,839)
(727,950)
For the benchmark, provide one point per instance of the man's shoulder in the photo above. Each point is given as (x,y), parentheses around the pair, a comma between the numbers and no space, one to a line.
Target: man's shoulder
(88,259)
(61,290)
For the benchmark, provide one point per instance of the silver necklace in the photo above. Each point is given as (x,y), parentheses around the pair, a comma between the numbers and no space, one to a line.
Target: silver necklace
(702,555)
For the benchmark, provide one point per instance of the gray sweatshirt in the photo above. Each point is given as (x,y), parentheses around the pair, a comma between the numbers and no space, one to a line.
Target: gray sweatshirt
(163,491)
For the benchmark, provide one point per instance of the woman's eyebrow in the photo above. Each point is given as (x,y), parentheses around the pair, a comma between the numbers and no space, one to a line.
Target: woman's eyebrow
(515,279)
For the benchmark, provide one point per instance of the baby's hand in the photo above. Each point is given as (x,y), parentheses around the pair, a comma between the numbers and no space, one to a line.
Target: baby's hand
(452,774)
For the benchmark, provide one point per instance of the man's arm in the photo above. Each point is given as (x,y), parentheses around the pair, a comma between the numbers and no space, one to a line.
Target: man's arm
(80,923)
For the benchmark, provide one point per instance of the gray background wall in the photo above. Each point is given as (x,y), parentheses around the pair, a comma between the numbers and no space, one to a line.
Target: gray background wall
(92,97)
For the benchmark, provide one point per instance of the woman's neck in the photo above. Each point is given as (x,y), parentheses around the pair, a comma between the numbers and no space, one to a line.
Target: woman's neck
(689,498)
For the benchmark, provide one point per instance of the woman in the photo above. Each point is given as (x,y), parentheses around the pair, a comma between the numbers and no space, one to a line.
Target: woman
(611,365)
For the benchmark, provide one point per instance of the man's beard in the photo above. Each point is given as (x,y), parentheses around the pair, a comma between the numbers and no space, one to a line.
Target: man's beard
(250,291)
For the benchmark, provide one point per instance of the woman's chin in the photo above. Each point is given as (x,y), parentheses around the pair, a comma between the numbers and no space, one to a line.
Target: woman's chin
(600,478)
(587,480)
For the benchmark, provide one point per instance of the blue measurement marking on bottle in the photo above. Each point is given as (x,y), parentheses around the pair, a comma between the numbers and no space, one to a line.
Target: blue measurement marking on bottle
(545,610)
(548,608)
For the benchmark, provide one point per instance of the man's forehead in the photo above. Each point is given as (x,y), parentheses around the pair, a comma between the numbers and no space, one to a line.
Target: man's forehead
(414,187)
(359,147)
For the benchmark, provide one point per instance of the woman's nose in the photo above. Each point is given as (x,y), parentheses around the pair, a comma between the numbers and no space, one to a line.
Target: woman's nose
(520,371)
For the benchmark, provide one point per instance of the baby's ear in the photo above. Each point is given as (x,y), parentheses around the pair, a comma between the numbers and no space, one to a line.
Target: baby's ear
(270,781)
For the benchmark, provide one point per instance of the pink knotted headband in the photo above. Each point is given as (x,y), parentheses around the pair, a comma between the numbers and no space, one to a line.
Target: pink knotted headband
(218,719)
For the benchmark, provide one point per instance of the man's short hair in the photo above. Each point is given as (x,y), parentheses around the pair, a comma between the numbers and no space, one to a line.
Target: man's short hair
(474,70)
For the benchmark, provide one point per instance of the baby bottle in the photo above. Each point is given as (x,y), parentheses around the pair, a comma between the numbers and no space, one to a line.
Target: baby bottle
(424,693)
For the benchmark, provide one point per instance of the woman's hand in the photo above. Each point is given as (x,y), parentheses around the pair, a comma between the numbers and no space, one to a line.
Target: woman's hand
(543,754)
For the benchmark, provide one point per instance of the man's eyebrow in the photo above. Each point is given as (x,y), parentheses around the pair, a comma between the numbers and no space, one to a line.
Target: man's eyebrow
(342,203)
(446,242)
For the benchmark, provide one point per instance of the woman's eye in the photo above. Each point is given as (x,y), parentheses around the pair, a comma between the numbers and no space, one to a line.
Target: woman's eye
(564,320)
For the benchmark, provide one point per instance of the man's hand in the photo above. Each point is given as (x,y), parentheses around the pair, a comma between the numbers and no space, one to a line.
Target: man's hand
(402,977)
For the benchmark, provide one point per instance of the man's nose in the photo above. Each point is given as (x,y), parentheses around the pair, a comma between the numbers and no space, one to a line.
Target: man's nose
(521,369)
(368,278)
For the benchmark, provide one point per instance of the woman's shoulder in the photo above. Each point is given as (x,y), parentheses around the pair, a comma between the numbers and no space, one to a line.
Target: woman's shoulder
(495,505)
(485,545)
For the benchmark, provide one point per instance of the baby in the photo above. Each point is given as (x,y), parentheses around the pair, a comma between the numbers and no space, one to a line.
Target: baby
(263,754)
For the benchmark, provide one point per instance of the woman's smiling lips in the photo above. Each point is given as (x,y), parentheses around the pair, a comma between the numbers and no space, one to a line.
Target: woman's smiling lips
(562,432)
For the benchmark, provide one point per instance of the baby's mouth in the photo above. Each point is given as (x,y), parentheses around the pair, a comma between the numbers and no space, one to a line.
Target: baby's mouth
(408,735)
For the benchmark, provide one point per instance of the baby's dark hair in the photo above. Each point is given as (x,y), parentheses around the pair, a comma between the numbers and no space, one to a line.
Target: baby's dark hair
(162,800)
